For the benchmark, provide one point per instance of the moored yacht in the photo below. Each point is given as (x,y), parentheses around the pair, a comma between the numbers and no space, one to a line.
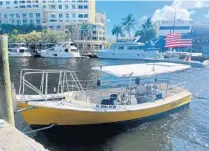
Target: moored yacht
(126,50)
(63,50)
(19,50)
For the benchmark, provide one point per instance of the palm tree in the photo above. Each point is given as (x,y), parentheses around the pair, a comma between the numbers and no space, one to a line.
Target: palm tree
(85,30)
(129,23)
(117,30)
(147,31)
(70,29)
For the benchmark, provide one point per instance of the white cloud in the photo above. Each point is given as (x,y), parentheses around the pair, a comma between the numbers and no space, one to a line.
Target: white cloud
(143,18)
(207,15)
(190,4)
(182,7)
(168,13)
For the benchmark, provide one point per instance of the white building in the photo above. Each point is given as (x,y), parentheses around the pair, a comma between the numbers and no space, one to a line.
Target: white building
(56,15)
(53,14)
(179,26)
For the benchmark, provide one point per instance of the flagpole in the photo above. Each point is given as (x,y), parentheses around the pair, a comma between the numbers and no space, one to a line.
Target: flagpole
(174,21)
(174,24)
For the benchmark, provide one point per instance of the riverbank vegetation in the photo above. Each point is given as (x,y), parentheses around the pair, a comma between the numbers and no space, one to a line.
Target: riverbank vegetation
(31,34)
(129,27)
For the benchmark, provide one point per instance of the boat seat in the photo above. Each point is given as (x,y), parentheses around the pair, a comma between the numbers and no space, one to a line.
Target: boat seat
(107,102)
(113,96)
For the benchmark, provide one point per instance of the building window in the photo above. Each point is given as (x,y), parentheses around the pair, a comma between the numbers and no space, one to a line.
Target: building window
(7,2)
(73,15)
(38,21)
(28,6)
(44,6)
(80,16)
(66,6)
(86,16)
(18,15)
(31,15)
(11,15)
(66,15)
(18,22)
(35,6)
(73,6)
(5,16)
(37,15)
(22,6)
(53,16)
(60,6)
(60,15)
(52,6)
(24,15)
(24,21)
(85,6)
(31,21)
(80,6)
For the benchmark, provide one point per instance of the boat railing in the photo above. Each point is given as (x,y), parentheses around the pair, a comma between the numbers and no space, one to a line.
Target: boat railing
(44,82)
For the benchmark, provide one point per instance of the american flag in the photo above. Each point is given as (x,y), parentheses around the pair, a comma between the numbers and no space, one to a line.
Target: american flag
(178,40)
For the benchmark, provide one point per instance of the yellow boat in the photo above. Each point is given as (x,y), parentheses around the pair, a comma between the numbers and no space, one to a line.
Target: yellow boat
(70,103)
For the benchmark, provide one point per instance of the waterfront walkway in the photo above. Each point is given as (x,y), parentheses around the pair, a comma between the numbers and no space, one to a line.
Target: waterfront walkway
(12,139)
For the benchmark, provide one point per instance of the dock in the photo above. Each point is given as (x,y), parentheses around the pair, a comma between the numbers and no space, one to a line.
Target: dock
(13,140)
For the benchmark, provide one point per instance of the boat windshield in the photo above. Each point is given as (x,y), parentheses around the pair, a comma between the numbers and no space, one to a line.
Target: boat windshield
(126,47)
(15,45)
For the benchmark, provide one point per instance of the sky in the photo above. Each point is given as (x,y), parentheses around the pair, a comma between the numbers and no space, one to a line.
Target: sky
(195,10)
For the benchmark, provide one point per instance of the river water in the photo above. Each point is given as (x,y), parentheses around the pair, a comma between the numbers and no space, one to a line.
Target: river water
(187,129)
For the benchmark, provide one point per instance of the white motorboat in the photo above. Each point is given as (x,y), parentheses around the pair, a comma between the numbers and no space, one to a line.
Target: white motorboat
(63,50)
(181,57)
(126,50)
(19,50)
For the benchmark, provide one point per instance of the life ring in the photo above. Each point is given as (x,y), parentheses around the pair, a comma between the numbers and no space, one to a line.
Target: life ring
(123,98)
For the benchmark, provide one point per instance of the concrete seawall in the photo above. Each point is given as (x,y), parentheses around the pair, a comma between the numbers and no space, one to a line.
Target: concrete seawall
(12,139)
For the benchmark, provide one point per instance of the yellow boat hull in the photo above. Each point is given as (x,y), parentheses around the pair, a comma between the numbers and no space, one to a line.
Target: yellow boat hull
(45,115)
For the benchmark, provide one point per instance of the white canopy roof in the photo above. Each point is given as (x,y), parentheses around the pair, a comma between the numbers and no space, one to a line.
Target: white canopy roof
(142,70)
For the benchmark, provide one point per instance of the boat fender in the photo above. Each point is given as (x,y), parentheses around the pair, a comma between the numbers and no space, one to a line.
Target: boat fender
(206,63)
(98,83)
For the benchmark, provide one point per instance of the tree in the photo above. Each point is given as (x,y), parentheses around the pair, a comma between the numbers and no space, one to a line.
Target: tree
(22,29)
(129,24)
(33,37)
(117,30)
(147,31)
(70,29)
(85,30)
(53,36)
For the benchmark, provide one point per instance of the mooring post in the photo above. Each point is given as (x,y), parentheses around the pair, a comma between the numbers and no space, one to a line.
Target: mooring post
(6,103)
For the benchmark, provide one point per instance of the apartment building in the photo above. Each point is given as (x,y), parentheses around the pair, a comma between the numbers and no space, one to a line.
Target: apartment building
(56,15)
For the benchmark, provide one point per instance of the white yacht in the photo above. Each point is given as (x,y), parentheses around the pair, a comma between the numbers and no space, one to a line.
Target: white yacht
(126,50)
(19,50)
(63,50)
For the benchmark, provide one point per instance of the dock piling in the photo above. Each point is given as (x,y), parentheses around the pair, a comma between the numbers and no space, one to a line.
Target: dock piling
(6,103)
